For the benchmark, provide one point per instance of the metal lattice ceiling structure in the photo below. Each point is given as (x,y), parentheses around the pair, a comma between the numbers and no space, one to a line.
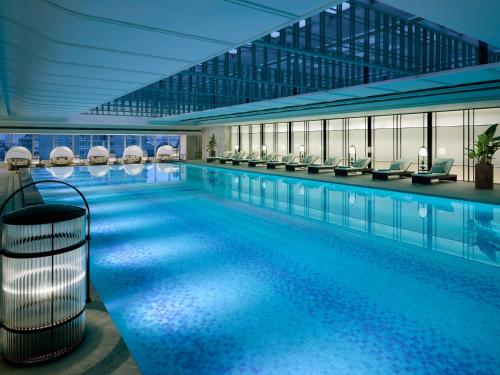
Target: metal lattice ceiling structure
(353,43)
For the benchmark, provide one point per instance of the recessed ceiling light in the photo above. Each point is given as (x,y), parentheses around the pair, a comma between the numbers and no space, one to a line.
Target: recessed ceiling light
(275,34)
(233,51)
(302,23)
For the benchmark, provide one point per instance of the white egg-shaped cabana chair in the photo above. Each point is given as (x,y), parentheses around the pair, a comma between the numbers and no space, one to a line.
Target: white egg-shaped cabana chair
(18,157)
(98,155)
(164,153)
(98,170)
(132,155)
(61,156)
(133,169)
(61,173)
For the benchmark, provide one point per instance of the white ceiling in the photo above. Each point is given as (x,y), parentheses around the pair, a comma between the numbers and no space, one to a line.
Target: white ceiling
(58,58)
(61,57)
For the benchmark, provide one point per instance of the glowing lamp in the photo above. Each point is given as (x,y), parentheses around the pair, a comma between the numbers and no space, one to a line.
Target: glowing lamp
(264,150)
(352,153)
(236,148)
(44,281)
(422,156)
(302,149)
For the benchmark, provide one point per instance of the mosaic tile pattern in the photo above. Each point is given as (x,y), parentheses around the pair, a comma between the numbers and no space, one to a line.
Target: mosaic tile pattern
(200,280)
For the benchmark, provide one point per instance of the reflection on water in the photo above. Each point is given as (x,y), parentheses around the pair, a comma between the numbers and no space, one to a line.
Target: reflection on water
(459,228)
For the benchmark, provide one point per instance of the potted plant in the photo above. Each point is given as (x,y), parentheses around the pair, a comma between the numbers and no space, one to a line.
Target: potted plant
(485,147)
(212,143)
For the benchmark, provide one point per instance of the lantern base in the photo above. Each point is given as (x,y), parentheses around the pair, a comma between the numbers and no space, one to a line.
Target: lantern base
(36,346)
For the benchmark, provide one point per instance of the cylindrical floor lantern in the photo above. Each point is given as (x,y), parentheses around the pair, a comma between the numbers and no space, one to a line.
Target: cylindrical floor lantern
(44,281)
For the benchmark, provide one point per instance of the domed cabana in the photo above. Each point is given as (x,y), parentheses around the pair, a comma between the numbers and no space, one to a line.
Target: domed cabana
(98,155)
(132,155)
(165,153)
(18,157)
(61,156)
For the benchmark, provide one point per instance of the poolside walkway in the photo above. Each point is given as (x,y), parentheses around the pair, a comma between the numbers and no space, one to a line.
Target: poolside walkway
(455,190)
(102,352)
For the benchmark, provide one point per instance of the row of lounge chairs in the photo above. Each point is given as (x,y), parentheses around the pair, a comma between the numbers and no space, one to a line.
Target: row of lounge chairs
(291,162)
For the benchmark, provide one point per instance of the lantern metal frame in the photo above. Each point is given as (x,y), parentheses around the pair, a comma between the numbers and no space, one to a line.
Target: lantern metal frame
(85,241)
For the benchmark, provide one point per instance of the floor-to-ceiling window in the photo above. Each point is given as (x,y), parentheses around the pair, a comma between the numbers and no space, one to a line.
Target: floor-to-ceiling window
(255,138)
(314,140)
(383,142)
(413,129)
(148,144)
(234,137)
(132,140)
(298,136)
(100,140)
(117,145)
(269,139)
(336,139)
(245,138)
(448,139)
(83,143)
(357,127)
(282,138)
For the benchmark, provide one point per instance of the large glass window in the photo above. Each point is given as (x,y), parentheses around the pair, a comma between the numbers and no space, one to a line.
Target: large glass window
(24,140)
(63,140)
(269,137)
(100,140)
(282,146)
(255,136)
(148,144)
(82,145)
(298,136)
(315,145)
(5,144)
(245,138)
(449,143)
(336,138)
(383,141)
(234,137)
(117,145)
(133,140)
(357,135)
(45,144)
(413,135)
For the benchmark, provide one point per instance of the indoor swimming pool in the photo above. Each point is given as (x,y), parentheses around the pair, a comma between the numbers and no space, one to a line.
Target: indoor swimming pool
(212,271)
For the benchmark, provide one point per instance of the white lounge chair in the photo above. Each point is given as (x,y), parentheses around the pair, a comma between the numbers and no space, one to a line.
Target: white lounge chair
(440,171)
(263,160)
(284,161)
(328,165)
(360,165)
(304,163)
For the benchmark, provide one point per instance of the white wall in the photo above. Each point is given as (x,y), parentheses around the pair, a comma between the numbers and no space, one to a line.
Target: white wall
(222,135)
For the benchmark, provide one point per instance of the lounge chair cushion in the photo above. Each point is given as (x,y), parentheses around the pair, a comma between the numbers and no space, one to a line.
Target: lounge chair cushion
(395,166)
(439,167)
(358,163)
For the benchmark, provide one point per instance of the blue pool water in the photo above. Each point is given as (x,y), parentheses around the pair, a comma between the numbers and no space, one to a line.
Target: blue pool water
(209,271)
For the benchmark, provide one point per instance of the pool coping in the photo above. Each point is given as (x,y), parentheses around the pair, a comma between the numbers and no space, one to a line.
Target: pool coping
(460,190)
